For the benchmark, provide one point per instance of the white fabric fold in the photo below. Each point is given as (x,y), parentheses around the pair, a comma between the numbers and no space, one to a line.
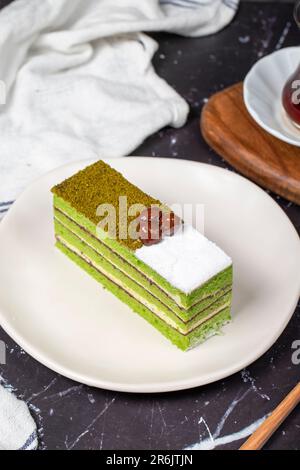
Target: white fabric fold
(17,427)
(79,79)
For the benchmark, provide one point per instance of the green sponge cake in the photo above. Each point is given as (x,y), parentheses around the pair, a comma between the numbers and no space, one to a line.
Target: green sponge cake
(139,250)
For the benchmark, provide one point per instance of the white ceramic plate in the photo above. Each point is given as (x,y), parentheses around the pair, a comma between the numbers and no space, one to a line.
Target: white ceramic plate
(262,93)
(61,316)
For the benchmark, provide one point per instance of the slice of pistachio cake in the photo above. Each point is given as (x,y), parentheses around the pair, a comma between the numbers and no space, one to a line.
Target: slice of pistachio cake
(138,249)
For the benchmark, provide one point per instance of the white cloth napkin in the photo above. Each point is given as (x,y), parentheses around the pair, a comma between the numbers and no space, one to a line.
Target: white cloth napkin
(17,427)
(79,80)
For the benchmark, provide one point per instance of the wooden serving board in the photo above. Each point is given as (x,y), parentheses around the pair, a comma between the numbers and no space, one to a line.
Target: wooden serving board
(229,129)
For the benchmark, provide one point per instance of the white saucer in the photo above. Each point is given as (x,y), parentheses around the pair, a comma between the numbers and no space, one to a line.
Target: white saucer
(262,93)
(64,319)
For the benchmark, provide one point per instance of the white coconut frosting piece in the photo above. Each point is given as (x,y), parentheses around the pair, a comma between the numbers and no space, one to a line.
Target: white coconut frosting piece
(186,260)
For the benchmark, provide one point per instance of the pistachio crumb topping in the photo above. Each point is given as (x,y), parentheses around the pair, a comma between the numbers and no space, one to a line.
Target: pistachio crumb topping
(101,184)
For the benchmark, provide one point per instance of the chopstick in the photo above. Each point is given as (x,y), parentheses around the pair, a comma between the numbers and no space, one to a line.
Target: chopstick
(262,434)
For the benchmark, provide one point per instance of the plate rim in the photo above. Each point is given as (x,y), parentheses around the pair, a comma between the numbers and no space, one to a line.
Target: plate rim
(154,387)
(253,113)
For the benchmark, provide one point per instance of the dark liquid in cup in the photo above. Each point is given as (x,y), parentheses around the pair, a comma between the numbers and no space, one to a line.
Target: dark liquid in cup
(291,97)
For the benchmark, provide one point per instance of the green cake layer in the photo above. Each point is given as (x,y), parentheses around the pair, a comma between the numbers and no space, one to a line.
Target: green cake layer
(76,234)
(183,300)
(186,319)
(154,303)
(184,342)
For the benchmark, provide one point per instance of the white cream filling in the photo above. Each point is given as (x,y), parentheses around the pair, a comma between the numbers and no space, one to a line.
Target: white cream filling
(186,260)
(152,307)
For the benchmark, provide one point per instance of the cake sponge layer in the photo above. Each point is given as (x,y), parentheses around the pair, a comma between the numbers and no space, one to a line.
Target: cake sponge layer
(136,290)
(184,342)
(75,234)
(186,301)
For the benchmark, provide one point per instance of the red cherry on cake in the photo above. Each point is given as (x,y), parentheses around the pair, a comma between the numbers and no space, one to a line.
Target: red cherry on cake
(150,221)
(170,223)
(154,224)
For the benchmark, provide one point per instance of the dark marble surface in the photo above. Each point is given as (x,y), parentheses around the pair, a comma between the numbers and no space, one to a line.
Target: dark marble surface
(74,416)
